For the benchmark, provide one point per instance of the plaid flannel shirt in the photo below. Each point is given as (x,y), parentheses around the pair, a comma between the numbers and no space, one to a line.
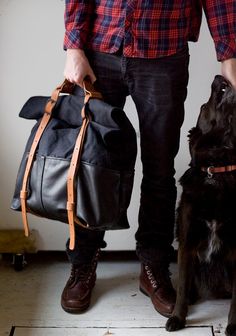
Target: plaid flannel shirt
(148,28)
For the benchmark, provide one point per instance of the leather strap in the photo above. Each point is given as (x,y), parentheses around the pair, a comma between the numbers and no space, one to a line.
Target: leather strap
(71,179)
(65,87)
(212,170)
(75,161)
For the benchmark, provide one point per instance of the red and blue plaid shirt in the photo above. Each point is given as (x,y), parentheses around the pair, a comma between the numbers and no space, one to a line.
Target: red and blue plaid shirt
(148,28)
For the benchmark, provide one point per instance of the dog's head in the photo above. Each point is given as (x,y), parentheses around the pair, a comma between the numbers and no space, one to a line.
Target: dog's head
(214,136)
(220,111)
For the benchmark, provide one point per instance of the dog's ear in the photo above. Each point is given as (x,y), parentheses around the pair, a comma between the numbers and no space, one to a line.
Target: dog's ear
(194,134)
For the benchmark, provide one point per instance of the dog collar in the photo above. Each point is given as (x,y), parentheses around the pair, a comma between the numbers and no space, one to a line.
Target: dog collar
(212,170)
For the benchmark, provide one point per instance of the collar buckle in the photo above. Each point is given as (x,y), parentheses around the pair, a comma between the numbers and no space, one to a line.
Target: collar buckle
(209,172)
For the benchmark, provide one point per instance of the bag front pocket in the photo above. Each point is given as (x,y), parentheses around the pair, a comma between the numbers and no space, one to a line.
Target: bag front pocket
(102,195)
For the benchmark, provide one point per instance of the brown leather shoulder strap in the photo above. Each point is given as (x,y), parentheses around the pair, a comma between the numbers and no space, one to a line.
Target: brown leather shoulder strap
(71,180)
(65,87)
(90,92)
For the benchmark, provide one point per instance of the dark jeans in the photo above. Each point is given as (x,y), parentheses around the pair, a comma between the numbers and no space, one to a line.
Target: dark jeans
(158,88)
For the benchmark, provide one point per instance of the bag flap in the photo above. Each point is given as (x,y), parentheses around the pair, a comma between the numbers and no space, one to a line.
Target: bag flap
(68,109)
(110,134)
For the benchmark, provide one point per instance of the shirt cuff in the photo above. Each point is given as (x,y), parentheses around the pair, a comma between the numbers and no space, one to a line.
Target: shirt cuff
(225,49)
(75,39)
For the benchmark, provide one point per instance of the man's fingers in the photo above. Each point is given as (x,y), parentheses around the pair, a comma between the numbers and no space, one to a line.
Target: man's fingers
(77,67)
(92,77)
(78,79)
(74,78)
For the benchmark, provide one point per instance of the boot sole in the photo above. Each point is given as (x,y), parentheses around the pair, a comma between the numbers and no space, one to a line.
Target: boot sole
(75,310)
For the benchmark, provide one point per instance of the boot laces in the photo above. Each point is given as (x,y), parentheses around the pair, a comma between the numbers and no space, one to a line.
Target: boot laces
(159,276)
(84,272)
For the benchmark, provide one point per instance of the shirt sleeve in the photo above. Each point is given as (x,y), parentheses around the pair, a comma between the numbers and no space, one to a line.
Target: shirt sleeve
(77,18)
(221,18)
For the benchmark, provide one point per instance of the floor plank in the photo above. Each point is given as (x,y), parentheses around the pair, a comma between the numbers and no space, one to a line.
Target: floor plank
(203,331)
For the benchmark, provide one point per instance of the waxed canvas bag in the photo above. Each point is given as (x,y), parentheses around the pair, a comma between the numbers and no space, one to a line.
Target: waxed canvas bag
(78,164)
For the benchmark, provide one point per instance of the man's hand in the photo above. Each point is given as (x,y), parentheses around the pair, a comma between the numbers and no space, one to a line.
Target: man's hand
(228,70)
(77,67)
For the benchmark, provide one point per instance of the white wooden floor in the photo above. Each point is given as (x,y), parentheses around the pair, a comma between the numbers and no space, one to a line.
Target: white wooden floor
(30,304)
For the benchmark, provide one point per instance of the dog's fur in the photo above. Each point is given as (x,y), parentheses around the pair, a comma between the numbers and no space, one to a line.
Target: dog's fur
(206,225)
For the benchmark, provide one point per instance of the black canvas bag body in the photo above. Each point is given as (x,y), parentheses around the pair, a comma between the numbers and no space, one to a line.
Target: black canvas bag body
(81,168)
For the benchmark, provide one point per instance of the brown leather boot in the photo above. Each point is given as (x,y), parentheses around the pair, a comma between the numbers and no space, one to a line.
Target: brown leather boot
(156,283)
(76,295)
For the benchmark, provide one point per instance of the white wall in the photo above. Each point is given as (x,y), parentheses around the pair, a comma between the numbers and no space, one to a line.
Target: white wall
(31,63)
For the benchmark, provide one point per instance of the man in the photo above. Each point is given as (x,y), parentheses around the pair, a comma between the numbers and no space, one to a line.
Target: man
(140,48)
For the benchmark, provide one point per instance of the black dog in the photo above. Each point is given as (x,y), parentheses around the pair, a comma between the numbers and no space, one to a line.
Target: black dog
(206,225)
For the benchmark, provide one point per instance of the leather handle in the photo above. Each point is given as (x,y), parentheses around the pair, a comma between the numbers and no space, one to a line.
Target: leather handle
(64,87)
(68,87)
(90,90)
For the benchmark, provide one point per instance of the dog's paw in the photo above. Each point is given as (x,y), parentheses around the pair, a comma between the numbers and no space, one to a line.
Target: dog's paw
(174,323)
(230,330)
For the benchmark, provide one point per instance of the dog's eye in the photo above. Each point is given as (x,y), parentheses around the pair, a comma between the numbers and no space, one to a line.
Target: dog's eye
(224,86)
